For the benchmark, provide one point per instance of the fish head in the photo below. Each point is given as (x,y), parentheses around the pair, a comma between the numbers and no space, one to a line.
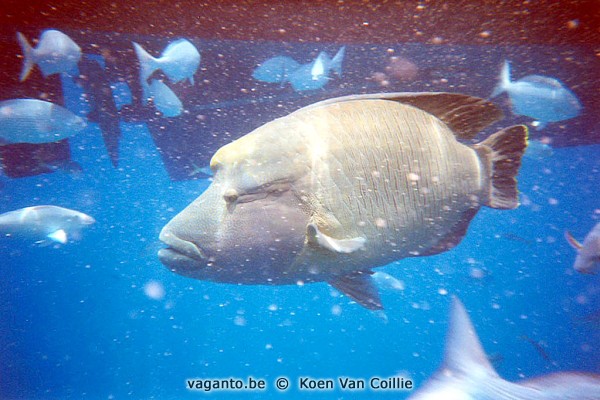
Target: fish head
(85,219)
(77,123)
(249,225)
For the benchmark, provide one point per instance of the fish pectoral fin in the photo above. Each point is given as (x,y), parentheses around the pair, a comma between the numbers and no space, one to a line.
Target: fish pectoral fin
(572,241)
(59,236)
(318,238)
(360,287)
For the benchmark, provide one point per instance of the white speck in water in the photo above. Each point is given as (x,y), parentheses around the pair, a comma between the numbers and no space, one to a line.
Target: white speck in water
(154,290)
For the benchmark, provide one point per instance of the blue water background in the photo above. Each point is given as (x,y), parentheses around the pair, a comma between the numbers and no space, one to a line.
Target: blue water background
(75,321)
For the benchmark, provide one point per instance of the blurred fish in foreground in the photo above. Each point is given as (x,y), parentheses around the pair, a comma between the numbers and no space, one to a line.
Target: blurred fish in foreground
(588,253)
(542,98)
(311,76)
(36,121)
(55,53)
(44,223)
(466,373)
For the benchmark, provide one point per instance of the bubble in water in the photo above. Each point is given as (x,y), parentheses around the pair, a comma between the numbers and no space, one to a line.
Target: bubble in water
(154,290)
(336,310)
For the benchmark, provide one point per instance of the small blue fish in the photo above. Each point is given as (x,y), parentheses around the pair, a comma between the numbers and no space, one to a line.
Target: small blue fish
(164,99)
(179,61)
(44,223)
(315,75)
(55,53)
(276,69)
(542,98)
(36,121)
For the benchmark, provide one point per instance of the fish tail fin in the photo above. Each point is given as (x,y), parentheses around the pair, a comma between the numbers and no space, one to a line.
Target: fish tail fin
(501,155)
(27,56)
(504,80)
(336,62)
(148,63)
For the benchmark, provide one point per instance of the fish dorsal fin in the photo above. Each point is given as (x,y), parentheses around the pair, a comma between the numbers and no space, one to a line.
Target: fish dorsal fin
(464,352)
(465,115)
(360,287)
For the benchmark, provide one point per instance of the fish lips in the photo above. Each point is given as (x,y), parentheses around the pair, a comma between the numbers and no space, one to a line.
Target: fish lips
(179,251)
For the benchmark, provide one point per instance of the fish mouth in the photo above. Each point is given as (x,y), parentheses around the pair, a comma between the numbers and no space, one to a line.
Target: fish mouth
(178,249)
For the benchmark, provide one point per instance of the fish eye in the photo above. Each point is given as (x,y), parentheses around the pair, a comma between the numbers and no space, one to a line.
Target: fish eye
(231,195)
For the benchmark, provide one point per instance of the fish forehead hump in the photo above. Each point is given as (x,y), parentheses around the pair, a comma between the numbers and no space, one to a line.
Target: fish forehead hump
(361,138)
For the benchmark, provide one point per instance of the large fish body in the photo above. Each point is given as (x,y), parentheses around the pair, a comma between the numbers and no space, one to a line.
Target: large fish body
(44,223)
(341,186)
(36,121)
(588,252)
(466,373)
(542,98)
(55,53)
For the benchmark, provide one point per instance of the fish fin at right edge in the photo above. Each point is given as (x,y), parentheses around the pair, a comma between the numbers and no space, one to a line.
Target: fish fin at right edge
(572,241)
(27,56)
(504,81)
(360,287)
(501,155)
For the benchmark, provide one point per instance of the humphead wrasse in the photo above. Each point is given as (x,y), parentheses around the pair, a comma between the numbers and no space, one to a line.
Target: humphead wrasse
(344,185)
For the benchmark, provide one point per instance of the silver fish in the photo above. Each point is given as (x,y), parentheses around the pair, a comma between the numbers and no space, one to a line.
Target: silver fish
(466,373)
(276,69)
(315,75)
(36,121)
(542,98)
(179,61)
(44,223)
(341,186)
(55,53)
(588,253)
